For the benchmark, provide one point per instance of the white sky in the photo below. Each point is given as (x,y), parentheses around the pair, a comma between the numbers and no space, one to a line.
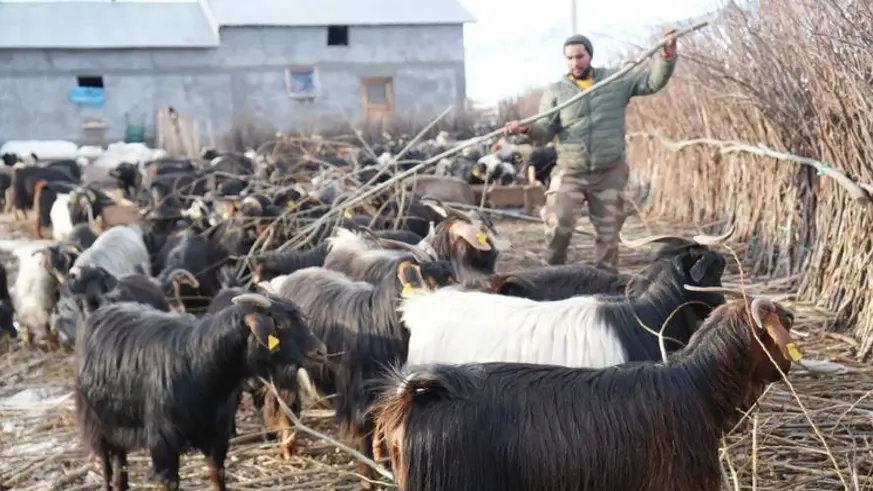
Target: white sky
(510,49)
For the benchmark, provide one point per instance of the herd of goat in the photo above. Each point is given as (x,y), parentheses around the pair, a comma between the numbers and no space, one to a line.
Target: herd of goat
(459,377)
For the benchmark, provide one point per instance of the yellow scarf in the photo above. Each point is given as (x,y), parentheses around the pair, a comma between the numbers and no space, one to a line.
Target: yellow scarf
(583,83)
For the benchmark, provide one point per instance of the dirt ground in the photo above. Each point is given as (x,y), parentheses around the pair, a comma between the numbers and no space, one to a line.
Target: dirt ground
(778,449)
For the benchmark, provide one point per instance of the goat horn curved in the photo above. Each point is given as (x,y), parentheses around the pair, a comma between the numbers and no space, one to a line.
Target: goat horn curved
(648,240)
(757,304)
(183,275)
(255,299)
(709,240)
(420,255)
(718,289)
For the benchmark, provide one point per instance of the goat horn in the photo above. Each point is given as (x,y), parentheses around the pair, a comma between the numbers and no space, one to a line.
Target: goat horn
(649,240)
(717,289)
(419,254)
(180,274)
(255,299)
(709,240)
(756,307)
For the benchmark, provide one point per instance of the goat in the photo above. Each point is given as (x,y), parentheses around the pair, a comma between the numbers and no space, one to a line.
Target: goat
(358,323)
(471,245)
(81,236)
(456,326)
(34,295)
(168,382)
(7,307)
(97,287)
(275,263)
(639,427)
(26,179)
(119,250)
(189,270)
(569,280)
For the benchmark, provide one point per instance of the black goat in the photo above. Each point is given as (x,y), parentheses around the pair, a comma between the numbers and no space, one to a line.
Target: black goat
(7,308)
(358,322)
(189,270)
(169,382)
(638,427)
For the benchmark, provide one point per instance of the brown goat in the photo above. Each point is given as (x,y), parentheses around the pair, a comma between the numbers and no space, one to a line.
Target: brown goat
(641,426)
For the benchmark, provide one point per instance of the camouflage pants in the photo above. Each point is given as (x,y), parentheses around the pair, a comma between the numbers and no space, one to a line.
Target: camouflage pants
(604,192)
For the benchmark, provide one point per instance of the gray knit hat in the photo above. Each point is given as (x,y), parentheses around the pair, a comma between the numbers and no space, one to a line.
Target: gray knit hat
(580,39)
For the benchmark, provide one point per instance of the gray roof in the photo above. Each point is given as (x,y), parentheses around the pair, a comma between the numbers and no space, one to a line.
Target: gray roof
(94,24)
(338,12)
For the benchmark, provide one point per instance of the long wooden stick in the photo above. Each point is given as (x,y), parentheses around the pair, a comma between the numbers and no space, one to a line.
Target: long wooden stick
(474,141)
(860,192)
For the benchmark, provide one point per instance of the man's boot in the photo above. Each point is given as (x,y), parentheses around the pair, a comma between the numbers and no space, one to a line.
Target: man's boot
(558,247)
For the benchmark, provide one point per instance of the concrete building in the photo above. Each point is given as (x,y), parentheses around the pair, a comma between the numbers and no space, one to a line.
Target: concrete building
(69,67)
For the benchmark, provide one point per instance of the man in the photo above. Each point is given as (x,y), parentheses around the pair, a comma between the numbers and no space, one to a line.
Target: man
(592,161)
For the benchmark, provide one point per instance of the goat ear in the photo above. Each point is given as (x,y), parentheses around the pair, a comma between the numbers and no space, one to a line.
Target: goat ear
(698,269)
(410,278)
(262,327)
(764,315)
(471,234)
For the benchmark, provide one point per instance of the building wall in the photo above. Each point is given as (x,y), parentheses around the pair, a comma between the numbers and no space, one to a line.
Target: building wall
(245,76)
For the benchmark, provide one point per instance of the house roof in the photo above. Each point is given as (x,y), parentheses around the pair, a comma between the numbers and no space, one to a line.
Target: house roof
(338,12)
(106,24)
(95,24)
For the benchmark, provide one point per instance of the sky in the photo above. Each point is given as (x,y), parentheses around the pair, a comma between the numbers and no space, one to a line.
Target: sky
(510,49)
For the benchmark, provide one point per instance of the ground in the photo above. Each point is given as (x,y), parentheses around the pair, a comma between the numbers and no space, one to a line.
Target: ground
(811,435)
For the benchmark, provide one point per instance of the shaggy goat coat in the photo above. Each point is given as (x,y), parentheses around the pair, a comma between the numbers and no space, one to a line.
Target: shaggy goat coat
(520,427)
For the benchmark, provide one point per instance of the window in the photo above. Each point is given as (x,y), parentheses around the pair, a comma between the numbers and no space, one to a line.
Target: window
(91,81)
(301,82)
(337,35)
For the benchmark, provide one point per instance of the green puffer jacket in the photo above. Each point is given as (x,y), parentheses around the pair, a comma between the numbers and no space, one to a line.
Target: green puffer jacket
(591,131)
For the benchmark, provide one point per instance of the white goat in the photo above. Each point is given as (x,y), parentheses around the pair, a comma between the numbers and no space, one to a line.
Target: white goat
(62,224)
(120,250)
(452,325)
(33,293)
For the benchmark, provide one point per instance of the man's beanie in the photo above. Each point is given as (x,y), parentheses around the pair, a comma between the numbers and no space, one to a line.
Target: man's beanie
(580,39)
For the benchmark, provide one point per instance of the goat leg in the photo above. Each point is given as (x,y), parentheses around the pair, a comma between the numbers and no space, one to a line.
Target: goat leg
(166,467)
(119,463)
(106,464)
(365,446)
(216,456)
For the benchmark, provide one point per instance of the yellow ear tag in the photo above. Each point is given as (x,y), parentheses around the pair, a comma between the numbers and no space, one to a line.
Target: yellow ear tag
(272,342)
(793,352)
(347,214)
(291,205)
(475,172)
(482,238)
(408,290)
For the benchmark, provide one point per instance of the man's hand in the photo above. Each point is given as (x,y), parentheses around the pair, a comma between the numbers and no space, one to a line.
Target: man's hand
(670,47)
(513,128)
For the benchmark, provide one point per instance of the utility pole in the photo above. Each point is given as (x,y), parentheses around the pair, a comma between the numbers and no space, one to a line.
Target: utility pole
(573,17)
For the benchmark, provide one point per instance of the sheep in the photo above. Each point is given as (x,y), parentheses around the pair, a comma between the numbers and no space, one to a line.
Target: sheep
(642,426)
(457,326)
(119,250)
(168,382)
(358,323)
(7,307)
